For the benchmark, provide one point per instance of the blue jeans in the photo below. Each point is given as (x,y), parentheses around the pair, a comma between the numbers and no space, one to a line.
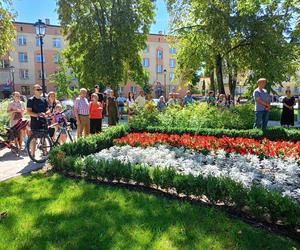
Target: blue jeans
(261,119)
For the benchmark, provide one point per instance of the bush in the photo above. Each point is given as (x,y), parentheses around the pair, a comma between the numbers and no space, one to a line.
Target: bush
(196,116)
(273,133)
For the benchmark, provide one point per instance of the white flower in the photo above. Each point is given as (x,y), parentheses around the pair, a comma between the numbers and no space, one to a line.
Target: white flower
(273,173)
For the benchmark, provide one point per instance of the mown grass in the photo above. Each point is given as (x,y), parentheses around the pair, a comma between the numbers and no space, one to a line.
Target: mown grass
(52,212)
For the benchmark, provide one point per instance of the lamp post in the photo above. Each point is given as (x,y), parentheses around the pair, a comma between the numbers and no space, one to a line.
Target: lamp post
(165,84)
(40,30)
(12,70)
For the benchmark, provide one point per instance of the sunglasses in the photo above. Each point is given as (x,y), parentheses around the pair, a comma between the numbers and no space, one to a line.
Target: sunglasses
(38,89)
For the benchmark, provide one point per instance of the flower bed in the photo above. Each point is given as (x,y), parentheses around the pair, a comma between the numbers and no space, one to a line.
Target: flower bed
(212,176)
(273,174)
(206,144)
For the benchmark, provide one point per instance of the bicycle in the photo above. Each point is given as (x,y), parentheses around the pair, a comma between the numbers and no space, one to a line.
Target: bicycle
(40,142)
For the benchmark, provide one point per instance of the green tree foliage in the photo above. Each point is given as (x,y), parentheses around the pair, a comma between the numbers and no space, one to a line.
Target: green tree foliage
(105,38)
(242,35)
(63,79)
(7,29)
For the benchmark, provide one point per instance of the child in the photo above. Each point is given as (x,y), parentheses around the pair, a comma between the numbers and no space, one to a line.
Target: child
(60,121)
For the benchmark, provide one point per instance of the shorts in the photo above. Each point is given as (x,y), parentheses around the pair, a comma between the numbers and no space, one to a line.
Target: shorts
(121,109)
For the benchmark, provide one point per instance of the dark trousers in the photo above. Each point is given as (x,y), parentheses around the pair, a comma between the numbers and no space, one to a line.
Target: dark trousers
(95,126)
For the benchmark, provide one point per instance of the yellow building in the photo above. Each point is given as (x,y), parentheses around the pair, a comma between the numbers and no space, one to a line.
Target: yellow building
(157,58)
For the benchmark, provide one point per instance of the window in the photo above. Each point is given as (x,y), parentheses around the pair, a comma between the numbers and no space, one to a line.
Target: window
(21,40)
(159,68)
(39,58)
(159,54)
(37,41)
(172,50)
(24,74)
(172,63)
(56,58)
(133,89)
(56,43)
(25,90)
(4,64)
(146,50)
(23,57)
(40,74)
(171,76)
(146,62)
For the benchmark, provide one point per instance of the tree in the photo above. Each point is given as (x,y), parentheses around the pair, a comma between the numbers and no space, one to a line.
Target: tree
(7,29)
(105,38)
(63,79)
(238,35)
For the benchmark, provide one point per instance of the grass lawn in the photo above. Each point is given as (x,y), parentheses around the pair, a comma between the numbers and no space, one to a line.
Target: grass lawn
(57,213)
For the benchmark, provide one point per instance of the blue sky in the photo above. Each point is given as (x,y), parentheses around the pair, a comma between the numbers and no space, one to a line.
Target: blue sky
(32,10)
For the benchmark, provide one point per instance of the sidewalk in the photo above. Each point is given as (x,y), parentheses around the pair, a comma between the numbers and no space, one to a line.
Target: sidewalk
(12,166)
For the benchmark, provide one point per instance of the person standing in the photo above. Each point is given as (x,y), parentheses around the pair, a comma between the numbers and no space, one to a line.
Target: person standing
(298,110)
(172,100)
(100,95)
(121,103)
(287,115)
(52,102)
(161,105)
(95,113)
(112,109)
(37,106)
(188,99)
(16,109)
(81,110)
(262,105)
(130,103)
(211,100)
(141,99)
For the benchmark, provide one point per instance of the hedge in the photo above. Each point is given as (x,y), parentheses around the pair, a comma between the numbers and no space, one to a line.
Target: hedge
(260,203)
(94,143)
(273,133)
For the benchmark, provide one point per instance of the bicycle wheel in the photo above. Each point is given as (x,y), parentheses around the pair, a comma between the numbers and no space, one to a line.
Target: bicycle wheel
(38,147)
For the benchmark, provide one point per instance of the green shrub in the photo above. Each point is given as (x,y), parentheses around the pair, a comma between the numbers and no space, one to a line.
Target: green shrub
(273,133)
(196,116)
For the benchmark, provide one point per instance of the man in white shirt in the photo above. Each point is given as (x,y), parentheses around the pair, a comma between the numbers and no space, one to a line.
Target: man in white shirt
(141,99)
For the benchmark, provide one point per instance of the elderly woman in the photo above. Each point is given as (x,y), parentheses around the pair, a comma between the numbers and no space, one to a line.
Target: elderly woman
(287,116)
(16,109)
(112,109)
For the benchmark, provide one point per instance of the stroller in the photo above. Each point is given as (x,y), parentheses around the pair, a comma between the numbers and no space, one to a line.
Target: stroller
(8,136)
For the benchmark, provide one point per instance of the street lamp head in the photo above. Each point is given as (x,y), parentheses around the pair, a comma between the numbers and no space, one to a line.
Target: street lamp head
(12,69)
(165,71)
(40,28)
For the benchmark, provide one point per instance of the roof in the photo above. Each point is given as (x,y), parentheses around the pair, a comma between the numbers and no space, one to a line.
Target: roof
(58,26)
(50,25)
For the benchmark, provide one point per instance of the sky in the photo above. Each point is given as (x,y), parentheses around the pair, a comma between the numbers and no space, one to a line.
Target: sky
(32,10)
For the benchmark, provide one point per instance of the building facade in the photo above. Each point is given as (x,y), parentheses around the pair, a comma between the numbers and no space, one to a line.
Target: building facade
(158,59)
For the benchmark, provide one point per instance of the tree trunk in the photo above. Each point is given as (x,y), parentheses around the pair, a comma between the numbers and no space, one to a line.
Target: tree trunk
(212,80)
(220,74)
(232,81)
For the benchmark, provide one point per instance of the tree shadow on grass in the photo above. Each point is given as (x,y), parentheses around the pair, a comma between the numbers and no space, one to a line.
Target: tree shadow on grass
(71,214)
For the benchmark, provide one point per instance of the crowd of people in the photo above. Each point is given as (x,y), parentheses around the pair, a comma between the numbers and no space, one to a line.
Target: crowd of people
(90,109)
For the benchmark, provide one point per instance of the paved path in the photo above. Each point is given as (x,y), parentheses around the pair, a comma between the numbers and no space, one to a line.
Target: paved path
(12,166)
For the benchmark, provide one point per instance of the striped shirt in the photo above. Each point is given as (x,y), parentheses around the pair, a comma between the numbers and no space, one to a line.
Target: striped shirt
(81,106)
